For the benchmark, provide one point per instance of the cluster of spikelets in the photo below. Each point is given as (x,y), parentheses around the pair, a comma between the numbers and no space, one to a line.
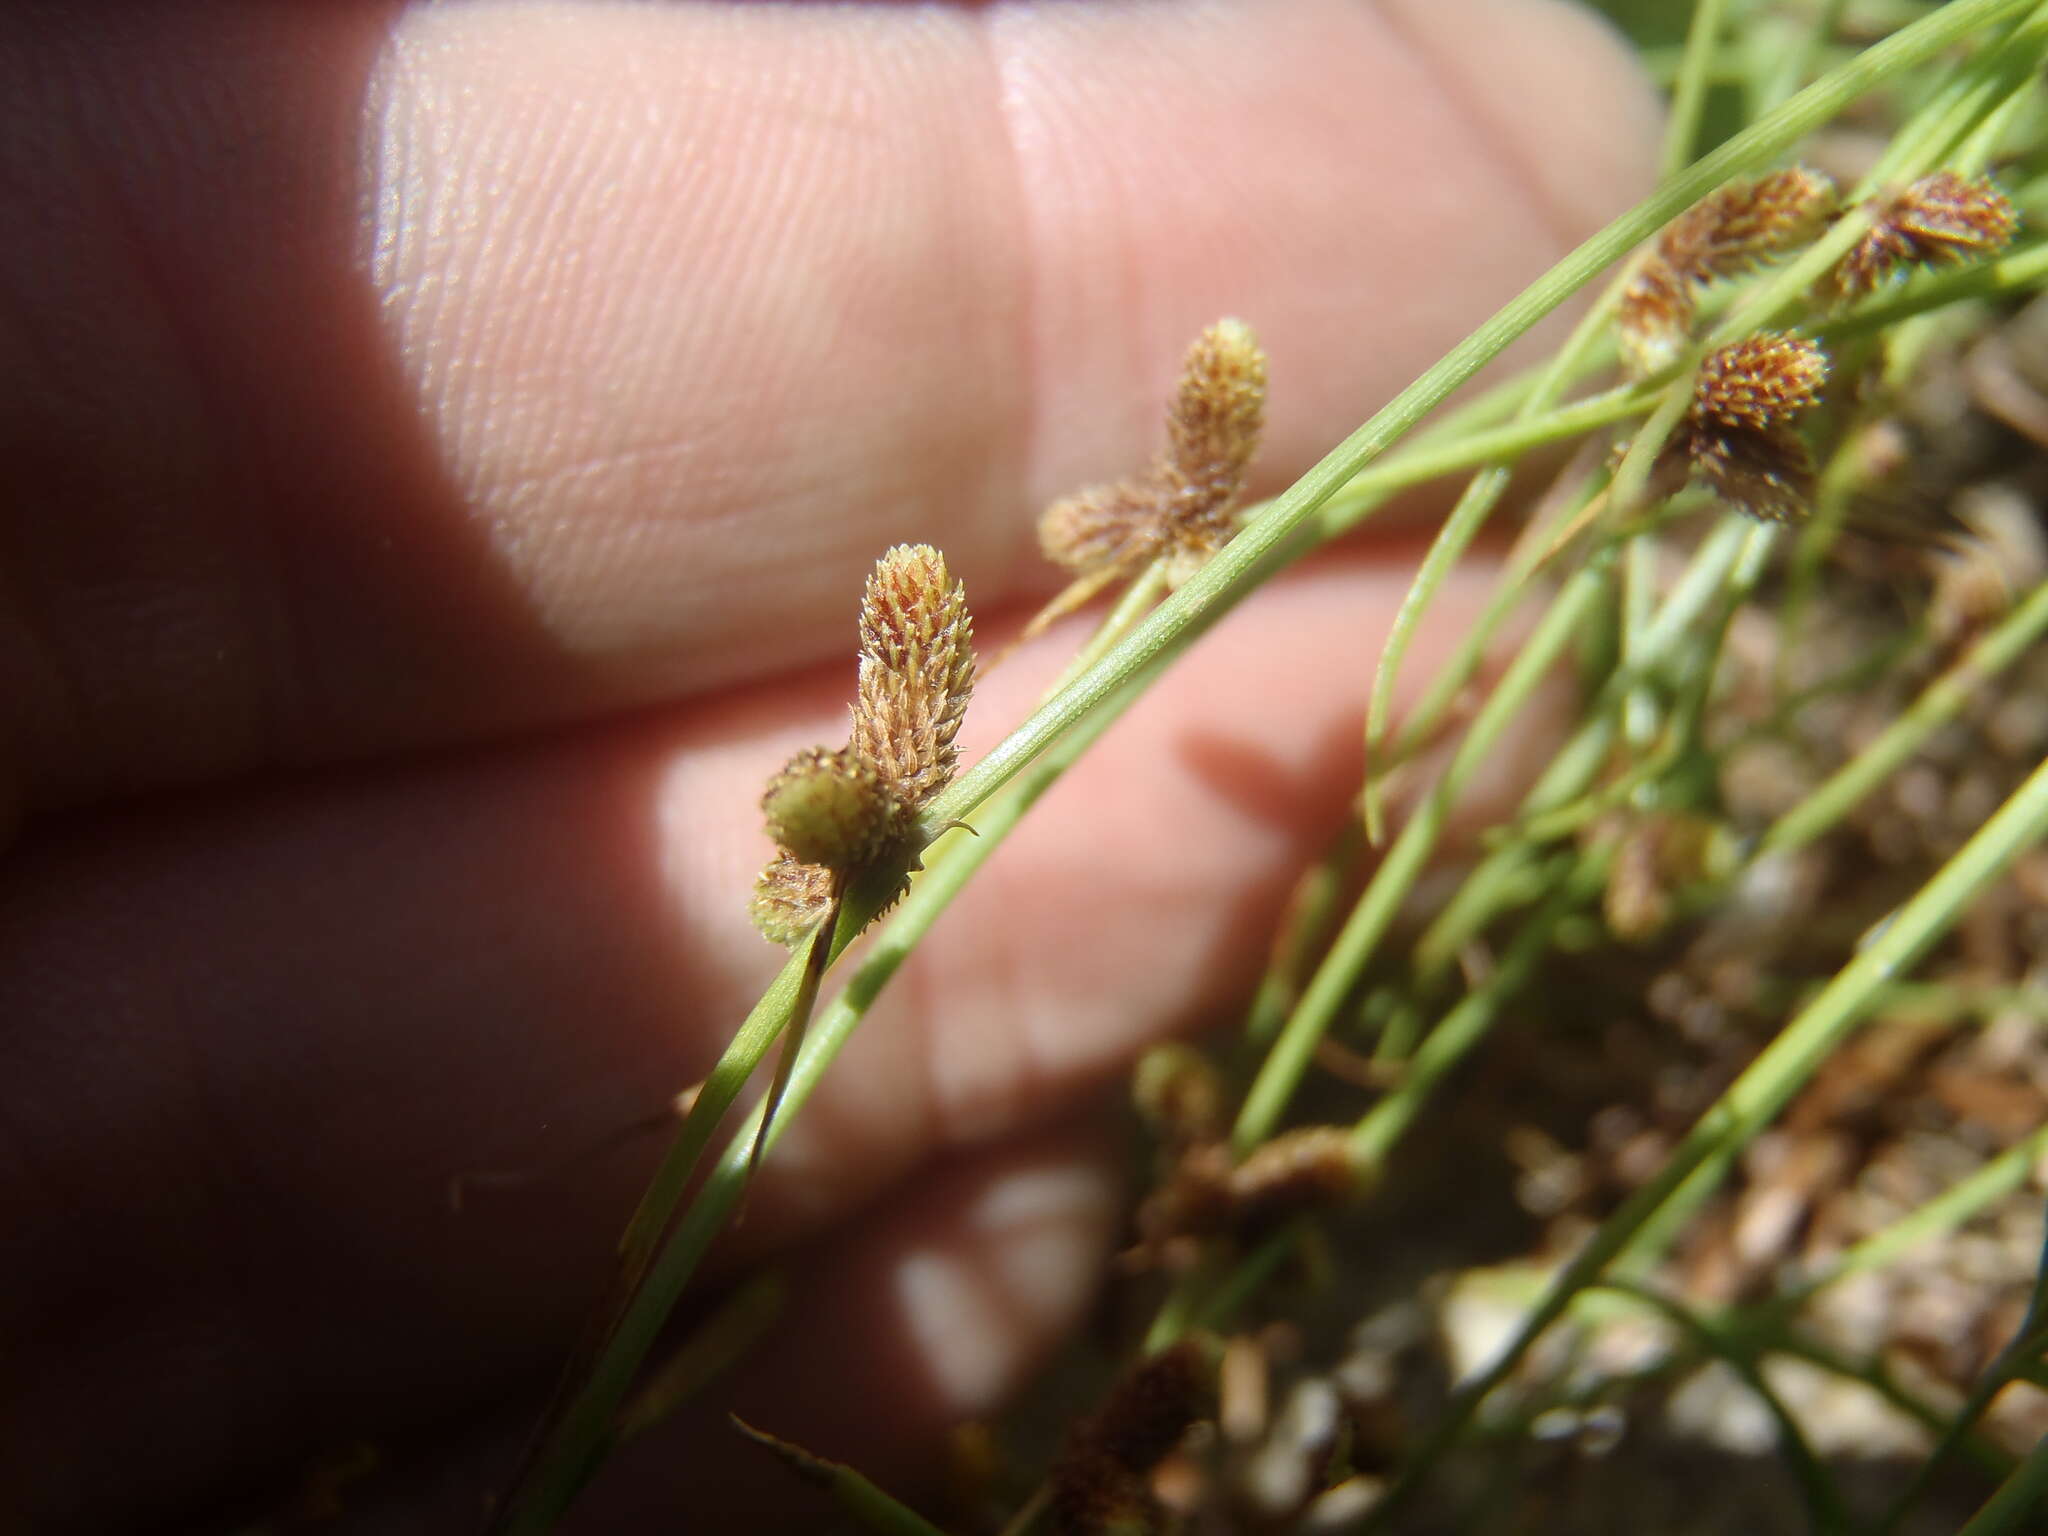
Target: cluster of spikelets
(840,815)
(1727,233)
(1182,509)
(1940,220)
(1739,434)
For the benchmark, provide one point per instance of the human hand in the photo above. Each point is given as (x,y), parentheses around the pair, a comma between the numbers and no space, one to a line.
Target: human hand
(446,447)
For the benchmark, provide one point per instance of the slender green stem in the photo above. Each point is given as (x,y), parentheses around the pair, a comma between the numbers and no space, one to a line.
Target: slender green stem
(1689,90)
(865,1503)
(1796,62)
(2012,1363)
(1080,710)
(1474,506)
(1756,1097)
(1334,978)
(2020,1502)
(1944,1213)
(1826,1511)
(1938,704)
(1453,1039)
(1222,581)
(586,1427)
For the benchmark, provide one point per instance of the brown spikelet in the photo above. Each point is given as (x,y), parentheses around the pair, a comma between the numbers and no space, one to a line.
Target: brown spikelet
(1768,474)
(1152,1406)
(1944,219)
(1294,1173)
(1730,231)
(1212,431)
(848,818)
(831,808)
(1182,507)
(1739,434)
(916,672)
(1205,1194)
(1759,382)
(1098,1485)
(789,899)
(1112,527)
(1654,315)
(1749,222)
(1091,1493)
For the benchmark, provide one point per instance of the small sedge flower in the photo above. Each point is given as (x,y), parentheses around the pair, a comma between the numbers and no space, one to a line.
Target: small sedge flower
(1738,436)
(1945,219)
(1097,1486)
(1207,1194)
(1727,233)
(839,814)
(1181,509)
(840,817)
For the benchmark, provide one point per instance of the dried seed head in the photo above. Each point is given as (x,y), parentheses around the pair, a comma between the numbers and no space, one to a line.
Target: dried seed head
(1759,382)
(916,672)
(1940,220)
(1738,435)
(790,898)
(1767,474)
(1192,1202)
(1182,507)
(1093,1494)
(1731,231)
(847,817)
(1726,233)
(1296,1172)
(1216,419)
(1654,316)
(831,808)
(1148,1411)
(1111,527)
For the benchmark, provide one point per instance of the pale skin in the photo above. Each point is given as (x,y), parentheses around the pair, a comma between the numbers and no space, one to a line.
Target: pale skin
(445,449)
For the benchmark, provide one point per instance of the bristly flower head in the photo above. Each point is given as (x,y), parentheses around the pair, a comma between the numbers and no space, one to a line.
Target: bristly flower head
(1182,507)
(916,672)
(839,814)
(1944,219)
(1728,232)
(1739,434)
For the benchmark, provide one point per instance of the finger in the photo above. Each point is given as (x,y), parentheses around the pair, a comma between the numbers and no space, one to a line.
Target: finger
(380,376)
(248,1045)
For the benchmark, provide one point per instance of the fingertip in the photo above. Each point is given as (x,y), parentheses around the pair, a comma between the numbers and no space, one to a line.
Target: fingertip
(1559,92)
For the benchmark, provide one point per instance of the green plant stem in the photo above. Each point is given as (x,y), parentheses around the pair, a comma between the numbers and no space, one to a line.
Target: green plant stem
(1826,1511)
(863,1501)
(1311,914)
(1084,707)
(2017,1505)
(1940,702)
(585,1428)
(1288,1060)
(1755,1098)
(1223,580)
(1731,550)
(714,1346)
(1460,1030)
(1689,89)
(1944,1213)
(1796,62)
(2023,1351)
